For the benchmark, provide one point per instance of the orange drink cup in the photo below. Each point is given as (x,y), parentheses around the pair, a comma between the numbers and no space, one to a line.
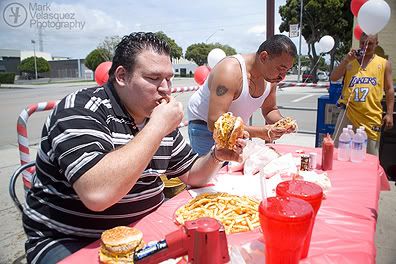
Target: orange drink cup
(307,191)
(285,222)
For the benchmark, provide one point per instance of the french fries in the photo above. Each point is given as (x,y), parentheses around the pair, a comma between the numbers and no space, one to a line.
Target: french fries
(236,213)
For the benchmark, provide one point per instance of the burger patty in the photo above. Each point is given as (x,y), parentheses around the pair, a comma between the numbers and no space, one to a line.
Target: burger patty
(109,258)
(122,249)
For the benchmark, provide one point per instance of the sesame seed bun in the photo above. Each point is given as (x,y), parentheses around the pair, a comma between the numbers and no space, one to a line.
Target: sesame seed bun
(119,244)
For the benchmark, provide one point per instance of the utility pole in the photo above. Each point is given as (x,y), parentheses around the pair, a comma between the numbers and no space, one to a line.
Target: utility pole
(270,18)
(299,41)
(35,61)
(40,38)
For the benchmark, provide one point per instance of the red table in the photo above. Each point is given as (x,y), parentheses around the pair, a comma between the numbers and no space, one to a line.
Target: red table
(344,229)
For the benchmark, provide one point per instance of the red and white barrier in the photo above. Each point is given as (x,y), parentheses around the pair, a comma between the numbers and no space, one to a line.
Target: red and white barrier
(23,140)
(280,85)
(184,89)
(293,84)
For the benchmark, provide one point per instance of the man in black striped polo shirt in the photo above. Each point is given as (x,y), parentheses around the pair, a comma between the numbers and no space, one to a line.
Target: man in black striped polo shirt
(103,150)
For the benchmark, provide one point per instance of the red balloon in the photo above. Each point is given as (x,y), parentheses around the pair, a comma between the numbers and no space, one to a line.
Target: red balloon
(356,5)
(102,73)
(201,73)
(357,31)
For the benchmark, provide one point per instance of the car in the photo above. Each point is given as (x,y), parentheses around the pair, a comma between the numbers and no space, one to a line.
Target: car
(322,76)
(307,76)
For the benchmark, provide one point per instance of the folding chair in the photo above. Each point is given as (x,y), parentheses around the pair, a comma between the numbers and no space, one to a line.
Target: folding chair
(27,167)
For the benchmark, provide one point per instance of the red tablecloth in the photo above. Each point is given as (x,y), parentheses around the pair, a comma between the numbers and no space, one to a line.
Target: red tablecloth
(344,229)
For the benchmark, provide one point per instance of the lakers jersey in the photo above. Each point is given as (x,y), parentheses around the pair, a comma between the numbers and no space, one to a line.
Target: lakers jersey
(362,94)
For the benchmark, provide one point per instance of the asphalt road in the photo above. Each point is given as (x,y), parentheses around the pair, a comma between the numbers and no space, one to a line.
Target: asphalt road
(14,100)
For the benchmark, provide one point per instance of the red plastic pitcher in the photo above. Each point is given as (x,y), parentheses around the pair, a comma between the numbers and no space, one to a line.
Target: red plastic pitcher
(308,191)
(285,222)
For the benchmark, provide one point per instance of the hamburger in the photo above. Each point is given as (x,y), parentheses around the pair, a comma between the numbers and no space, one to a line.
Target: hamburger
(119,244)
(227,129)
(286,123)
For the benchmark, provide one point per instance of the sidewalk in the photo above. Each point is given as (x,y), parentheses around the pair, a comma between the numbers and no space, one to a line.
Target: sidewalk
(12,242)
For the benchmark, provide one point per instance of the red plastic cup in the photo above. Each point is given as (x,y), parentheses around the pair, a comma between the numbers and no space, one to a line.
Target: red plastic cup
(285,223)
(308,191)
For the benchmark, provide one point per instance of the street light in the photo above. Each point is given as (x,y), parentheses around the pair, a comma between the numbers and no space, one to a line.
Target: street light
(35,61)
(299,42)
(220,29)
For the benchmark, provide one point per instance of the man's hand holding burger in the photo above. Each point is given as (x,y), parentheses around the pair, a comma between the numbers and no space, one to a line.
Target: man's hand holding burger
(234,154)
(228,134)
(271,133)
(283,126)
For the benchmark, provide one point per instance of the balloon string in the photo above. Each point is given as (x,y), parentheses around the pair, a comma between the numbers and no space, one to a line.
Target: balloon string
(351,93)
(320,55)
(364,53)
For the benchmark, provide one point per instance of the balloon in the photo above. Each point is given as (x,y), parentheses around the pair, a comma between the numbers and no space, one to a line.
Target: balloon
(356,5)
(201,73)
(373,16)
(102,72)
(357,31)
(326,43)
(214,56)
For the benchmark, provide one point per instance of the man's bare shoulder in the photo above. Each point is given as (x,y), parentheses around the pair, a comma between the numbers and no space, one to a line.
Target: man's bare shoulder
(226,76)
(229,66)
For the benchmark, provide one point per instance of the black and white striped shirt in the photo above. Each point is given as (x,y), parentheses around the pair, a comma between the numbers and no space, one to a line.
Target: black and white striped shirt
(82,129)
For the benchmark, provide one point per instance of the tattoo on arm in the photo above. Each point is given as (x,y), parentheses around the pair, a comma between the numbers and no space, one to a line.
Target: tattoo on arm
(221,90)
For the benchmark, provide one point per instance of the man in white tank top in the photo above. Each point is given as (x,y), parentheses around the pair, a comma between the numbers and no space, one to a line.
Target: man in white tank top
(241,84)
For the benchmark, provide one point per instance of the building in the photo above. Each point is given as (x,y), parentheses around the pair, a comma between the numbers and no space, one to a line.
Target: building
(183,67)
(9,60)
(60,66)
(70,68)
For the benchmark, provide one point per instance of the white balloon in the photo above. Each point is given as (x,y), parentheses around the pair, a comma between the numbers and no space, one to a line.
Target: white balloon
(318,48)
(373,16)
(326,43)
(214,56)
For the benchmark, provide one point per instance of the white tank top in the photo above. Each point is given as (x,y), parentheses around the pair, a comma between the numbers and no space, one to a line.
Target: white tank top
(244,106)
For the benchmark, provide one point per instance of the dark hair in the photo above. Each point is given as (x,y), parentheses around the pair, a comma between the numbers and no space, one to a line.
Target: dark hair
(277,44)
(132,45)
(364,35)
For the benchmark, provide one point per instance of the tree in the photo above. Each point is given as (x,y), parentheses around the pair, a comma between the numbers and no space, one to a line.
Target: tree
(109,44)
(199,52)
(227,49)
(96,57)
(320,17)
(27,65)
(176,50)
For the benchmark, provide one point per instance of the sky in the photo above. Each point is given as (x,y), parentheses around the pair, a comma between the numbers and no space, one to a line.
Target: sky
(74,28)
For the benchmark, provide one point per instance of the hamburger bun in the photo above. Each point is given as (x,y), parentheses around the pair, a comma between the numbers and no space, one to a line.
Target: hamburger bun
(287,123)
(227,129)
(119,244)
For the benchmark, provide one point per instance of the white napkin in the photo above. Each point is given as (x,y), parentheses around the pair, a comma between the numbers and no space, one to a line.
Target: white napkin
(248,185)
(278,170)
(284,164)
(320,179)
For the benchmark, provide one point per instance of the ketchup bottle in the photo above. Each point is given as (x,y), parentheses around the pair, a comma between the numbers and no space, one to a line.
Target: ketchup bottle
(327,153)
